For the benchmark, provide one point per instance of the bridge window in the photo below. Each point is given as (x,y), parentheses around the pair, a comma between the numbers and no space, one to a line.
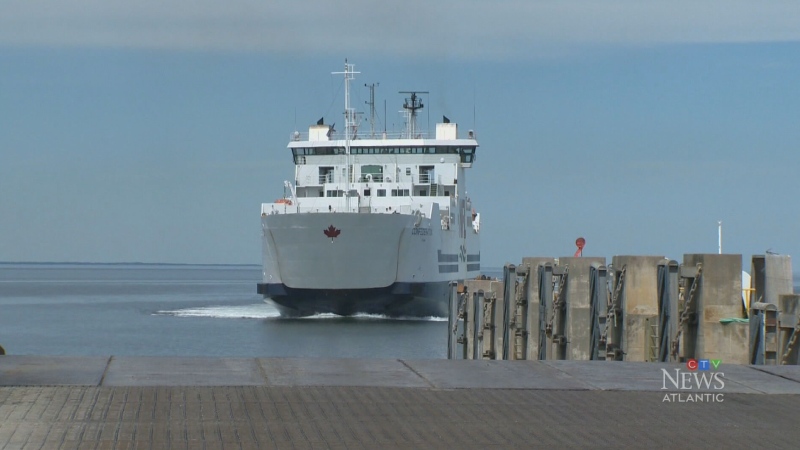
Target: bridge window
(325,175)
(371,173)
(467,154)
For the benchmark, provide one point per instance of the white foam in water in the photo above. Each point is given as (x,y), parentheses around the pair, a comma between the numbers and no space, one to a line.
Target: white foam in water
(265,311)
(376,317)
(257,311)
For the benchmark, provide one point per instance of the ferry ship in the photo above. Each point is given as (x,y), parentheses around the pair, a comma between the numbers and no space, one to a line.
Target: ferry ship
(373,223)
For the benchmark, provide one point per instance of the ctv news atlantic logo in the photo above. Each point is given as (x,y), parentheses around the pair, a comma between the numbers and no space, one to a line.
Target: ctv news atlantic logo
(701,381)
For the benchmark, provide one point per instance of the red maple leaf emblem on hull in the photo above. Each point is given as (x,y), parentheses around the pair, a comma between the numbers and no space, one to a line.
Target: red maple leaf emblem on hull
(331,232)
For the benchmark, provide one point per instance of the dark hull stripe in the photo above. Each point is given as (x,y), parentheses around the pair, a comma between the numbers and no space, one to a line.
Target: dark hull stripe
(447,257)
(448,268)
(403,299)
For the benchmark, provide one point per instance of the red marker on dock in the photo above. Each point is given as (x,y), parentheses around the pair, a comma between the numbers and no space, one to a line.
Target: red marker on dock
(580,243)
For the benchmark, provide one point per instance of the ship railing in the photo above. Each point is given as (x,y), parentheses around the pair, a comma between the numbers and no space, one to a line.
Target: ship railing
(340,135)
(316,205)
(281,208)
(278,208)
(371,177)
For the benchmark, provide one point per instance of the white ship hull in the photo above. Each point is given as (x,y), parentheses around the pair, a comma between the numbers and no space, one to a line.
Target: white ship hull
(394,264)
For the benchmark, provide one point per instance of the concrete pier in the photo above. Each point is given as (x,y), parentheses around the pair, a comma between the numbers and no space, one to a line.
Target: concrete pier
(249,403)
(532,265)
(720,297)
(639,308)
(639,303)
(772,277)
(577,309)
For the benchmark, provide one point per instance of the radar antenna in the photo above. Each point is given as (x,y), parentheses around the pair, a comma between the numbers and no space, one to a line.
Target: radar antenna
(411,105)
(371,104)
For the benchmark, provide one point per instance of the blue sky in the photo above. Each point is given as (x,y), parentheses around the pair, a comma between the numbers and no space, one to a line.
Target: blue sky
(152,131)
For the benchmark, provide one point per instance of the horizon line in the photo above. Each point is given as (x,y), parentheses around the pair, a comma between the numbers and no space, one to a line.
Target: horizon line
(84,263)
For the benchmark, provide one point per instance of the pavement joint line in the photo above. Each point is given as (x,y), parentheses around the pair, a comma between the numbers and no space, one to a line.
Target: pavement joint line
(591,386)
(262,371)
(105,370)
(570,376)
(758,368)
(417,374)
(759,391)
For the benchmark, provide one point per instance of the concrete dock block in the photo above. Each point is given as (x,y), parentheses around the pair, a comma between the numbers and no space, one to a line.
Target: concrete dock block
(719,297)
(641,282)
(578,305)
(636,333)
(639,301)
(491,289)
(771,276)
(726,341)
(533,303)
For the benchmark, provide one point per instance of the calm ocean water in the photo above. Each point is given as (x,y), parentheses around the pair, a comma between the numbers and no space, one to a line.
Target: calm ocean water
(177,310)
(166,310)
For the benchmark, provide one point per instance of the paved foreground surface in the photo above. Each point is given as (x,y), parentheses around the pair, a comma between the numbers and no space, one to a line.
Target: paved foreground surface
(213,403)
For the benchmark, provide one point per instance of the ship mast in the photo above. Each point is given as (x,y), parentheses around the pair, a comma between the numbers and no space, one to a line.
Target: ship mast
(349,122)
(371,104)
(411,105)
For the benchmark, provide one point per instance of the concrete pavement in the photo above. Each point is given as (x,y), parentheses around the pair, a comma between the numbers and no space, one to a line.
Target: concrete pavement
(243,403)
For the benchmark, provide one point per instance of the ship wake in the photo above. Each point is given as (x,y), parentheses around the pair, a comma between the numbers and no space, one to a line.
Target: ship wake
(265,311)
(254,311)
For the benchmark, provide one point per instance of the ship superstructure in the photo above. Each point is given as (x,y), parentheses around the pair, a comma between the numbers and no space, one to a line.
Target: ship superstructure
(375,224)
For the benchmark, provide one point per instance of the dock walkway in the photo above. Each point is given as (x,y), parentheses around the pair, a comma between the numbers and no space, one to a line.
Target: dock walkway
(244,403)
